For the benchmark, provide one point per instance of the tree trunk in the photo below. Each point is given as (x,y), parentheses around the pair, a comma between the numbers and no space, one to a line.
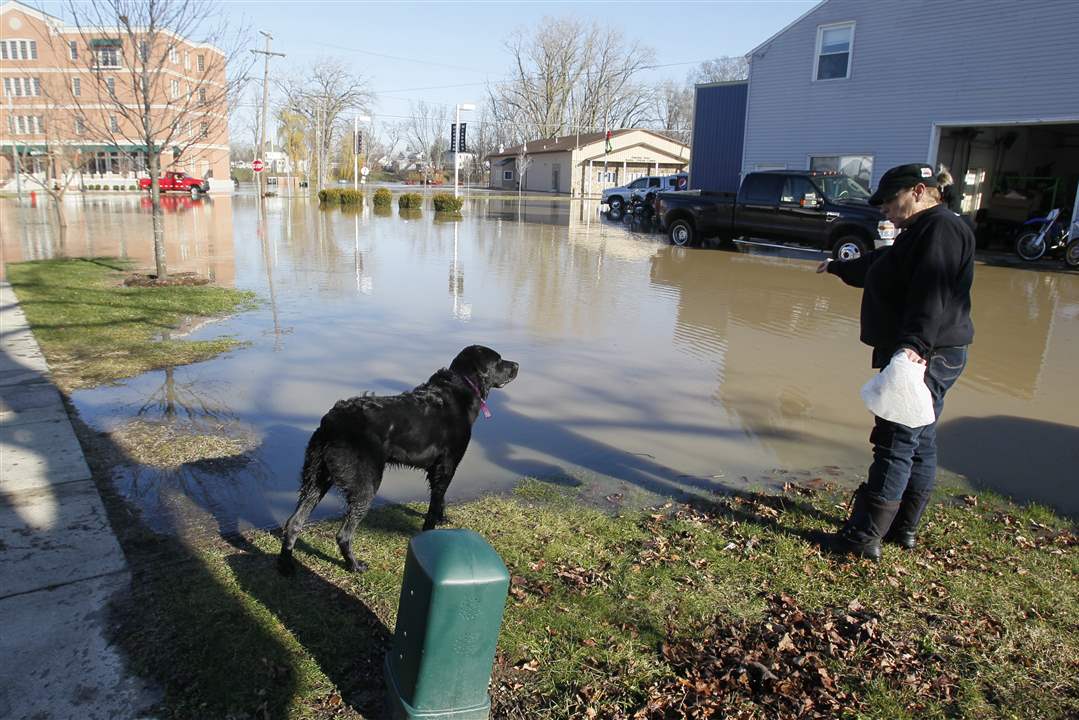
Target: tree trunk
(158,219)
(61,218)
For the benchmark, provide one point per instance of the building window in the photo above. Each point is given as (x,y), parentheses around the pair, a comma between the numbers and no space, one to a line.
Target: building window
(73,50)
(113,125)
(144,50)
(174,57)
(80,125)
(507,174)
(76,87)
(187,60)
(110,85)
(20,87)
(834,45)
(175,89)
(202,95)
(857,167)
(204,129)
(107,57)
(25,124)
(18,49)
(200,62)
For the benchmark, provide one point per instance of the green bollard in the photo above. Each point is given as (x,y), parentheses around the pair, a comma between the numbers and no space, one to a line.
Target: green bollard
(452,598)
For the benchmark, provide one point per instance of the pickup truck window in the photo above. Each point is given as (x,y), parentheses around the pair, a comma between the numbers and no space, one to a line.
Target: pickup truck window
(653,182)
(841,187)
(638,184)
(763,189)
(795,189)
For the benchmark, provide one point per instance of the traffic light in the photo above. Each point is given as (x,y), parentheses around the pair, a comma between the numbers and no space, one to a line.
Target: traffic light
(359,142)
(461,138)
(453,137)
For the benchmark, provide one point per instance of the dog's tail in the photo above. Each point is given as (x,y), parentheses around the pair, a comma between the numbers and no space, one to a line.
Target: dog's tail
(314,478)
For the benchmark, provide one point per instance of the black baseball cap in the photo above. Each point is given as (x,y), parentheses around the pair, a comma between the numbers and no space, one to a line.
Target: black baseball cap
(902,177)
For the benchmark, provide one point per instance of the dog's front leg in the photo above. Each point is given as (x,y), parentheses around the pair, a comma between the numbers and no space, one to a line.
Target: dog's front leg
(439,479)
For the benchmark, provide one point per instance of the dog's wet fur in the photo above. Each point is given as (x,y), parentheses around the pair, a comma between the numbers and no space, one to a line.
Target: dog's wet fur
(427,428)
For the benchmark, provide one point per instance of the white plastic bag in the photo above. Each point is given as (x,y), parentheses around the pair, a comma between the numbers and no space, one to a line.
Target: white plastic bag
(899,393)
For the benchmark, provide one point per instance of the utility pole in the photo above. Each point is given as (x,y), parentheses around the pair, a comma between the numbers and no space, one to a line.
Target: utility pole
(265,101)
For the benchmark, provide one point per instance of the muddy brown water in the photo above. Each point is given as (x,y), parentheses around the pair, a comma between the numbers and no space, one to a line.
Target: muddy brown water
(645,368)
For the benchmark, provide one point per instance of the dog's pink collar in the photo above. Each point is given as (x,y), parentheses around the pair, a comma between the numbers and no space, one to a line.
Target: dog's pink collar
(483,403)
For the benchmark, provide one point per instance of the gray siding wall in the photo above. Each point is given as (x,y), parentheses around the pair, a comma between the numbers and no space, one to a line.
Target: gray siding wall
(913,64)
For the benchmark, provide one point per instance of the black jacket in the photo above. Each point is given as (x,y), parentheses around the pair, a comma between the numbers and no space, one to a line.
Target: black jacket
(917,291)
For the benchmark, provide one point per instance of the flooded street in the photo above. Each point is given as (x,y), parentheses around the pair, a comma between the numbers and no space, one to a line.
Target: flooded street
(644,367)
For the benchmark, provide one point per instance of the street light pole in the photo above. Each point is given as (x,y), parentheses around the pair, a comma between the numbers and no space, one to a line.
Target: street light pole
(457,141)
(355,150)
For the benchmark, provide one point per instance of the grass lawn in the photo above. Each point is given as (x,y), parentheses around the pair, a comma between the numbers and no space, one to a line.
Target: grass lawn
(676,611)
(92,329)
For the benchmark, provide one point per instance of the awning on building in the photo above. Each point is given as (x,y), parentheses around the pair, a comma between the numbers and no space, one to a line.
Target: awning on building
(106,42)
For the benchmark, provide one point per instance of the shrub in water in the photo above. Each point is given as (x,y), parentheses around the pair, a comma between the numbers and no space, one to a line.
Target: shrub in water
(383,197)
(350,197)
(445,202)
(115,187)
(410,200)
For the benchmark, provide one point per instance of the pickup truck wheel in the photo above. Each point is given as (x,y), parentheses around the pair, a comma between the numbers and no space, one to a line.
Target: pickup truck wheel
(194,193)
(681,233)
(615,204)
(848,247)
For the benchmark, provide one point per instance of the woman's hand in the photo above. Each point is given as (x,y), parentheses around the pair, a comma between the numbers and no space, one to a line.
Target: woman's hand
(913,356)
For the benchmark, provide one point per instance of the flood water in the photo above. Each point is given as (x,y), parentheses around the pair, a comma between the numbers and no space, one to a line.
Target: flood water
(644,367)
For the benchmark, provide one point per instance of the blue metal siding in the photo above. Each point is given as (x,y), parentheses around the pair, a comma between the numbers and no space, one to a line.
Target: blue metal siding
(719,124)
(913,65)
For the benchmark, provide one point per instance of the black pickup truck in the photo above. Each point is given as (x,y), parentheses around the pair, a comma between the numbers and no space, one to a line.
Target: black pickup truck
(822,210)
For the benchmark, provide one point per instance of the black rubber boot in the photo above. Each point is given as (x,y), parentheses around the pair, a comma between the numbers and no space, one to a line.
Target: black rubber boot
(904,528)
(870,517)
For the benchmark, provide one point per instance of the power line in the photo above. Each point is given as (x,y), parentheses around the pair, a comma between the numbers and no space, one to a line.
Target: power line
(397,57)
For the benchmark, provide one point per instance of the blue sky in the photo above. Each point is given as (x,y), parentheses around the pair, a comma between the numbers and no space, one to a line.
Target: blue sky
(438,44)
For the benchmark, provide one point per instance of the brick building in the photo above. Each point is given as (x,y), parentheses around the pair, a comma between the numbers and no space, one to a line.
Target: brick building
(73,89)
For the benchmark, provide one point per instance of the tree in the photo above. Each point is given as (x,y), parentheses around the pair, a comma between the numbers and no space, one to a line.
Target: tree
(721,69)
(63,159)
(568,76)
(326,94)
(292,138)
(135,96)
(672,110)
(427,130)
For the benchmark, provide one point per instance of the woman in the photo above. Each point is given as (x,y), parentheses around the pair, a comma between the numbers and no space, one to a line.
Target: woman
(916,301)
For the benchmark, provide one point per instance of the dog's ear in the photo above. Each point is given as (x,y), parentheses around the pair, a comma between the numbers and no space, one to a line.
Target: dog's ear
(475,361)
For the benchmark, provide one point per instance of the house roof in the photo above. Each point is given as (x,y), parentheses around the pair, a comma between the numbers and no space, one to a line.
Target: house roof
(799,19)
(569,142)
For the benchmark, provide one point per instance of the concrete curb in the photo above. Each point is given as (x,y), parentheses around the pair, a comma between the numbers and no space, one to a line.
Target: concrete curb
(60,563)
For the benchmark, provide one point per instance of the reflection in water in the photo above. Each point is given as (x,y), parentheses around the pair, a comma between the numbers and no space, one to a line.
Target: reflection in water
(642,365)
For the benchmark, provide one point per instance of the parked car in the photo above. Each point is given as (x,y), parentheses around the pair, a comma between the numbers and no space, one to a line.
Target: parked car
(178,181)
(617,198)
(828,211)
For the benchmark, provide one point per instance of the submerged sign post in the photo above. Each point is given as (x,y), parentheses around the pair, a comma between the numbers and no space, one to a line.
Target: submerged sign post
(257,166)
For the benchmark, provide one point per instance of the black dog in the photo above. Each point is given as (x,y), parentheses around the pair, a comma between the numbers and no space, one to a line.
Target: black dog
(427,428)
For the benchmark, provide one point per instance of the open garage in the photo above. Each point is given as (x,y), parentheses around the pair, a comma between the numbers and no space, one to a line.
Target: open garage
(1011,171)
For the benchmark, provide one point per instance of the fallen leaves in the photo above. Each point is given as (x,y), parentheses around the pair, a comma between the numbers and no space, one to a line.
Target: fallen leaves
(789,665)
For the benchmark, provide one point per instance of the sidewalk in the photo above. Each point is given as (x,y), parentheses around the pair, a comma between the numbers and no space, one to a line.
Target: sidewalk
(59,560)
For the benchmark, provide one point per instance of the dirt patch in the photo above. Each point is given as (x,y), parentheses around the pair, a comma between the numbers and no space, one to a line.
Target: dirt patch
(174,280)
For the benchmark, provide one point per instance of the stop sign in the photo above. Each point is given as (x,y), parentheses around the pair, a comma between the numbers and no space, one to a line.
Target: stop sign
(257,166)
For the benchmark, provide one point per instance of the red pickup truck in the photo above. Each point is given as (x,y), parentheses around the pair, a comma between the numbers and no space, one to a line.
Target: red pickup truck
(177,181)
